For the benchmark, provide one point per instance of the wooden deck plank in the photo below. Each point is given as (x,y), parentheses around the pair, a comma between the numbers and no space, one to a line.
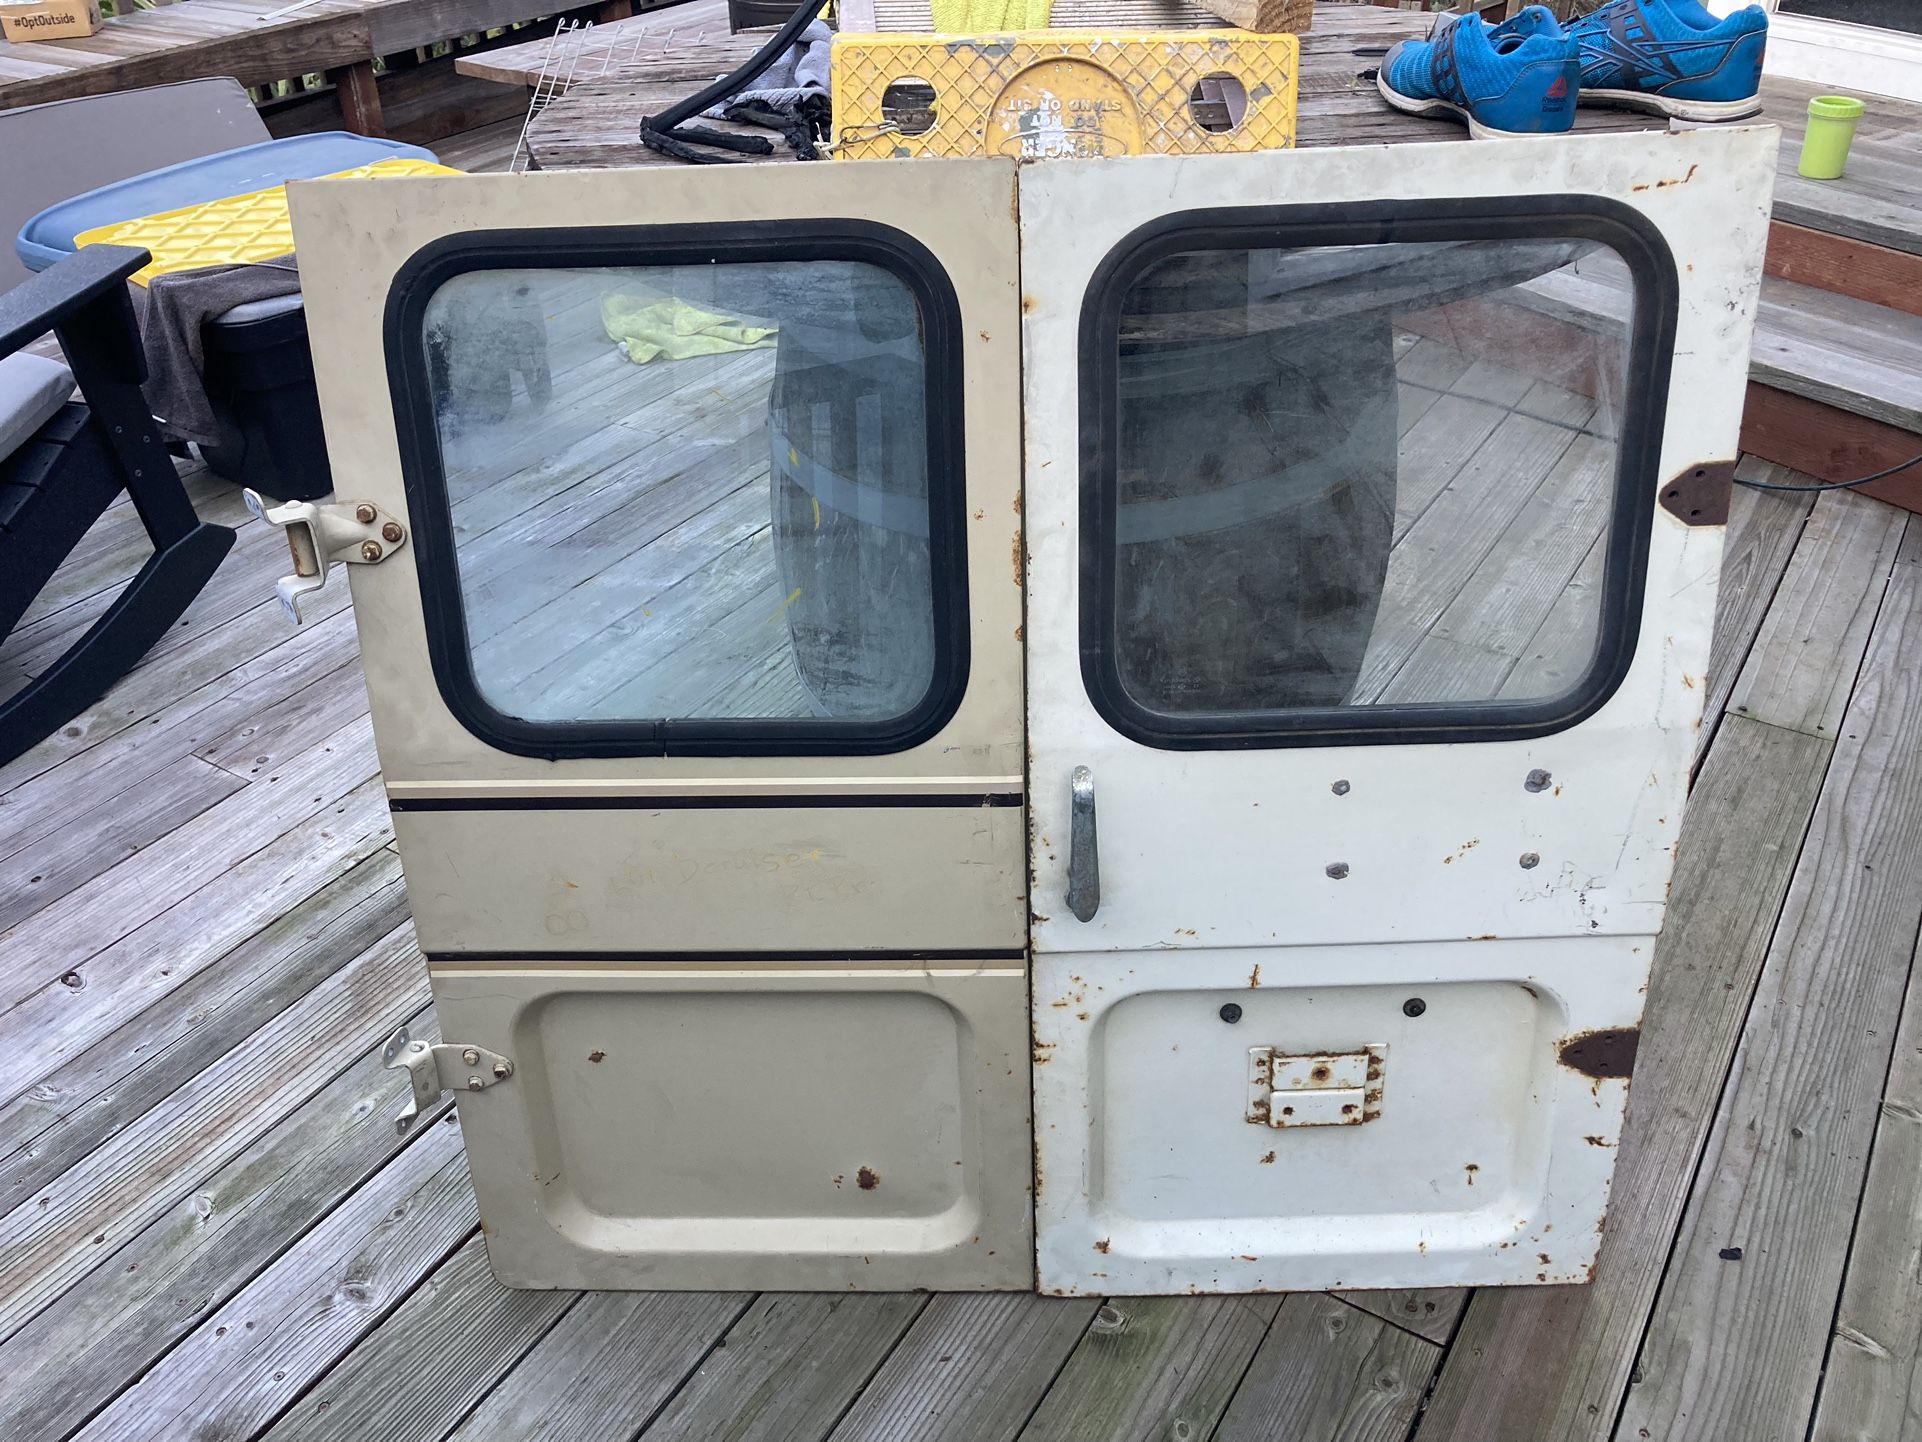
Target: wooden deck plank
(1880,200)
(1735,1346)
(60,862)
(1804,661)
(78,1221)
(1327,1372)
(788,1369)
(120,762)
(86,921)
(75,1357)
(321,38)
(1429,1312)
(74,1011)
(972,1368)
(1153,1368)
(1763,529)
(452,1339)
(607,1367)
(245,650)
(276,736)
(1550,1363)
(1872,1380)
(245,1364)
(80,1106)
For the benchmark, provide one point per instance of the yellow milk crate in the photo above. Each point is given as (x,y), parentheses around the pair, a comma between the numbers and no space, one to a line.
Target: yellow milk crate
(1040,93)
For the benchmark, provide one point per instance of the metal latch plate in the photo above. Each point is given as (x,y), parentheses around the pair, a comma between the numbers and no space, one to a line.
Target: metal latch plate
(1315,1089)
(447,1066)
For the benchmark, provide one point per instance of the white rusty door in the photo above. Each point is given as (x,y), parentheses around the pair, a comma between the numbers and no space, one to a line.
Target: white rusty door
(1374,514)
(695,668)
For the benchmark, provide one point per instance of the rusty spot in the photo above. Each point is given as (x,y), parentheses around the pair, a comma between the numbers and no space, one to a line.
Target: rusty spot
(867,1179)
(1531,991)
(1102,1245)
(1598,1141)
(1254,977)
(1020,568)
(1471,1169)
(1017,635)
(1028,304)
(840,1179)
(1246,1258)
(986,336)
(1320,1073)
(1268,1161)
(1081,1016)
(1604,1052)
(1699,496)
(597,1056)
(1542,1257)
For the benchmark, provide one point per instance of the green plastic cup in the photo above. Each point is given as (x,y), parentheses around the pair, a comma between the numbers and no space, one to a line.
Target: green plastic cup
(1825,149)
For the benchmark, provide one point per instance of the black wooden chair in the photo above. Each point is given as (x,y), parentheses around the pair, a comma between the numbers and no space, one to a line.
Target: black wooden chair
(63,462)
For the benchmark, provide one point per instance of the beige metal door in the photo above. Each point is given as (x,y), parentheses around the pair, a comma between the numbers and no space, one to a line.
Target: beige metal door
(694,653)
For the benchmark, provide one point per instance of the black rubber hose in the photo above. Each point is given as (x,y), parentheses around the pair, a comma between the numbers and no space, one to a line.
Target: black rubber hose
(756,66)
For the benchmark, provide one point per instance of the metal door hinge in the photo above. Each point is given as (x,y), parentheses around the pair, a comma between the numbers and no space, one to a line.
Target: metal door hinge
(449,1066)
(1315,1089)
(320,533)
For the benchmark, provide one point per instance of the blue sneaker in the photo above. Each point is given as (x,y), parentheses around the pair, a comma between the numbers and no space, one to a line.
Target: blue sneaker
(1521,82)
(1668,57)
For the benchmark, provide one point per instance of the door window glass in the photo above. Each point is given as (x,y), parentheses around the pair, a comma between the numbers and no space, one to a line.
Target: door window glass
(1364,486)
(695,500)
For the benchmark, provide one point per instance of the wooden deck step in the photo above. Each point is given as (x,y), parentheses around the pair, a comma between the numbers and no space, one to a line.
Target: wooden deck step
(1879,200)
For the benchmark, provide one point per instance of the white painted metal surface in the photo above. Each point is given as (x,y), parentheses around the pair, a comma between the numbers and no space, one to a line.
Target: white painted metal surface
(1328,891)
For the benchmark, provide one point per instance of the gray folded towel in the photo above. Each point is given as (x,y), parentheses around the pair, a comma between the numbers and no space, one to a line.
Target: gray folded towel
(798,73)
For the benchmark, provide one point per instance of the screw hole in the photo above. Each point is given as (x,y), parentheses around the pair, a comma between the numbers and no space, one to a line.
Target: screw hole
(1231,1013)
(1414,1006)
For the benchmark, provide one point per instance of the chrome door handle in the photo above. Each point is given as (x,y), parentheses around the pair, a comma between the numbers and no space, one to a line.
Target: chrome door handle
(1084,859)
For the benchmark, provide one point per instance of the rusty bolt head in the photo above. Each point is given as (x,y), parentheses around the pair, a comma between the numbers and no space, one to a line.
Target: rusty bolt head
(1531,860)
(370,550)
(1414,1006)
(1538,780)
(474,1083)
(470,1056)
(1337,870)
(391,532)
(1340,788)
(502,1071)
(1231,1013)
(365,514)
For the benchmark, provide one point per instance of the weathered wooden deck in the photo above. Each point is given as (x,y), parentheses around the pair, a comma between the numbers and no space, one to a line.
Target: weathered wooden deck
(208,1228)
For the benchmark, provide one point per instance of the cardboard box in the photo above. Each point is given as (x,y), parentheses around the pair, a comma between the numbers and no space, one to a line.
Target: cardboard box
(49,20)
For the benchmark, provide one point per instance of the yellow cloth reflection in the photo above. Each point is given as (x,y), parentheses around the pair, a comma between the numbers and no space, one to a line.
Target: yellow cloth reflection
(651,329)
